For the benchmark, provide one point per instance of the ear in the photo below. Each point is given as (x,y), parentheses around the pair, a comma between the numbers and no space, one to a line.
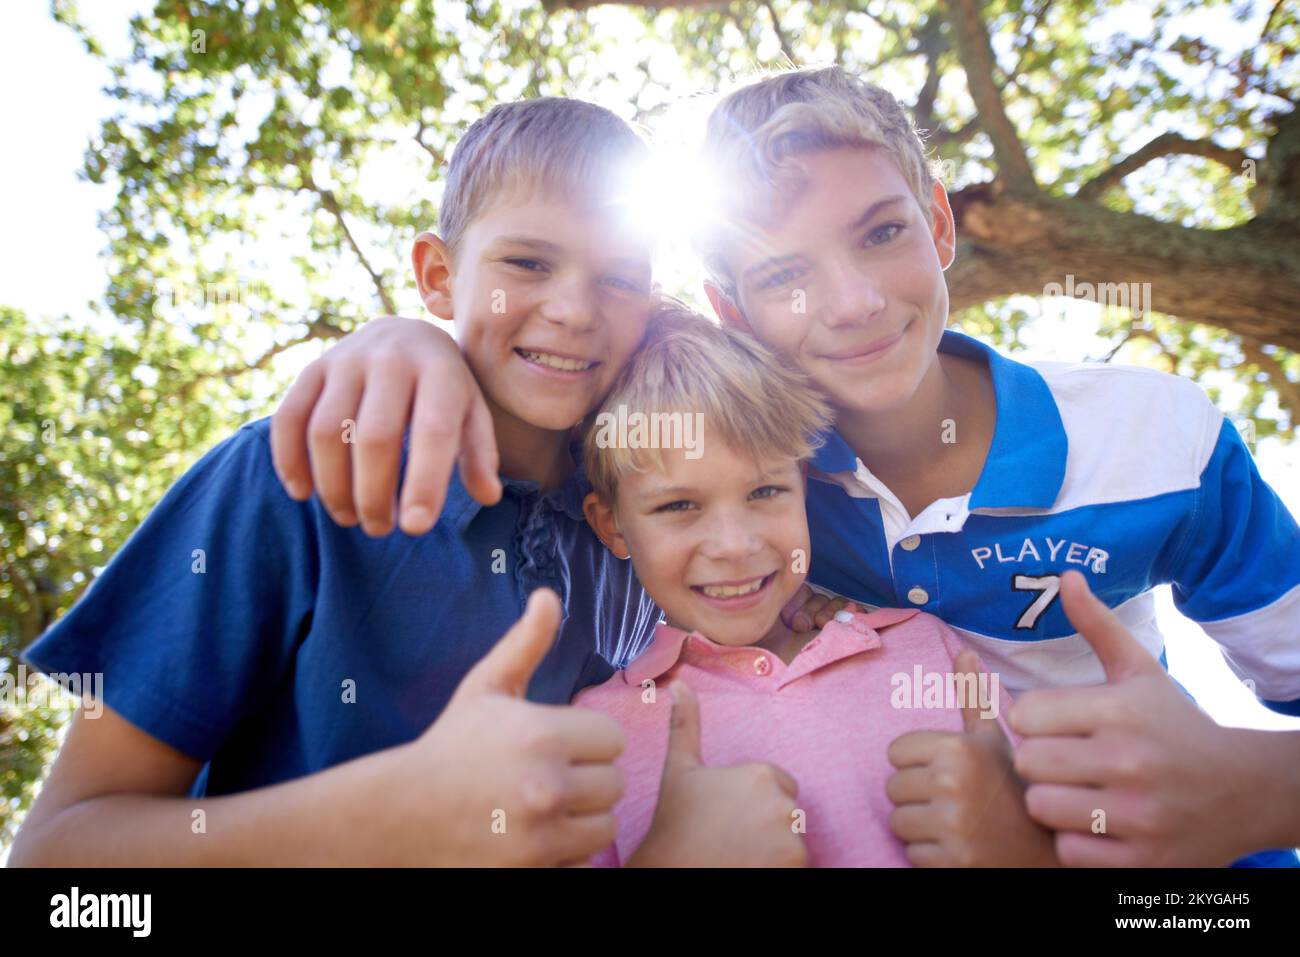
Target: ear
(726,309)
(432,261)
(601,518)
(944,230)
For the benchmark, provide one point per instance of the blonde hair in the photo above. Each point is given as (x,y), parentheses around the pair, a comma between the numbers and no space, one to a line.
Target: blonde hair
(756,133)
(687,363)
(581,149)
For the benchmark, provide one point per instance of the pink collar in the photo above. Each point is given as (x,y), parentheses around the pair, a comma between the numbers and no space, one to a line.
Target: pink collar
(665,648)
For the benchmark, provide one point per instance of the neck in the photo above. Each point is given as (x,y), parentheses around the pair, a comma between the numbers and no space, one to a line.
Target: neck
(530,453)
(779,640)
(907,440)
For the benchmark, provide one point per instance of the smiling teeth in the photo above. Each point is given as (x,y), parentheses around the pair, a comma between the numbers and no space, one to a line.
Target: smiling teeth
(731,591)
(556,362)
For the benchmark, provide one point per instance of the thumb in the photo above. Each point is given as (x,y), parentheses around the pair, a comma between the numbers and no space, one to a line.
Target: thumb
(683,731)
(1118,650)
(509,666)
(976,717)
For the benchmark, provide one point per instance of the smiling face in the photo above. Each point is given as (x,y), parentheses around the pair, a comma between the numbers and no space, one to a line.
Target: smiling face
(714,540)
(549,300)
(846,279)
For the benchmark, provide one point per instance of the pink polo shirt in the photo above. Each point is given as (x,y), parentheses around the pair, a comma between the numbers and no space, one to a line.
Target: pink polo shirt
(827,718)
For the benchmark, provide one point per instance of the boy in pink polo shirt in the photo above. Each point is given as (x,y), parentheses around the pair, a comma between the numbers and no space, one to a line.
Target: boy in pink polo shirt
(697,459)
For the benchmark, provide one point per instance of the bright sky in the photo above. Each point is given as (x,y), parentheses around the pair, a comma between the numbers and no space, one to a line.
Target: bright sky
(51,243)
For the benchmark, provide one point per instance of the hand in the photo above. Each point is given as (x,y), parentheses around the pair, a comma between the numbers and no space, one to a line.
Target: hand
(739,816)
(1130,773)
(808,610)
(958,802)
(498,780)
(389,372)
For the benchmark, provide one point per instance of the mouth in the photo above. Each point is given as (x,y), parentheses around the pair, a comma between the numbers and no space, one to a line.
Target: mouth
(737,595)
(866,353)
(555,361)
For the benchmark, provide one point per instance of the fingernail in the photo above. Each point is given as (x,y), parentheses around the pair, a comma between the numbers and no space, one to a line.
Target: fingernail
(802,622)
(417,517)
(298,489)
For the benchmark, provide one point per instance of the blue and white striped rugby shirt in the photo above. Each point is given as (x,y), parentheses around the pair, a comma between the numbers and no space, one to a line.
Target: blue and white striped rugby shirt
(1129,475)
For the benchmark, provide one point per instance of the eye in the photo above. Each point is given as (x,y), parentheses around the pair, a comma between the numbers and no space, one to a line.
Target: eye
(627,285)
(768,491)
(883,234)
(529,265)
(680,505)
(779,279)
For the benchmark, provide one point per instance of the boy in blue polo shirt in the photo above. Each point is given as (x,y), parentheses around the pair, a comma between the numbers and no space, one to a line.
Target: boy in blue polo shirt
(278,689)
(965,484)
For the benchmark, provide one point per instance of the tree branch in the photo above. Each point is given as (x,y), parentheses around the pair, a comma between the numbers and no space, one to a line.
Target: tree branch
(331,205)
(976,53)
(1288,391)
(1166,144)
(780,34)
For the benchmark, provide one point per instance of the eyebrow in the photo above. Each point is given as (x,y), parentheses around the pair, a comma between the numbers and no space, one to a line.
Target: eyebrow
(875,208)
(871,212)
(546,246)
(530,242)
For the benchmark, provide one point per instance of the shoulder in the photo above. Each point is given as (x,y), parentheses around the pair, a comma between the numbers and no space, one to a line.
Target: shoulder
(1132,432)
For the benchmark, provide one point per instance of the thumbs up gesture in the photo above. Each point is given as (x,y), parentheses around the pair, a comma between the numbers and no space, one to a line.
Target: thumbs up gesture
(498,780)
(1132,772)
(737,816)
(957,800)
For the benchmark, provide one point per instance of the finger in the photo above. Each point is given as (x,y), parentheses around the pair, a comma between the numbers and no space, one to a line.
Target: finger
(480,463)
(1090,850)
(436,414)
(915,748)
(784,780)
(1067,760)
(792,614)
(915,822)
(289,432)
(592,788)
(977,712)
(576,838)
(1120,653)
(813,608)
(509,666)
(1077,809)
(927,854)
(1063,711)
(910,786)
(683,730)
(585,736)
(832,608)
(377,454)
(329,436)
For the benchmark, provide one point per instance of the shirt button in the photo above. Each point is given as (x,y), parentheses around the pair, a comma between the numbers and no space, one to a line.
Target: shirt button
(918,595)
(762,666)
(910,543)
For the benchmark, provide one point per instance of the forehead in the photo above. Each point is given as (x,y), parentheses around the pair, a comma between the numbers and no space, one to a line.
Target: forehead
(719,464)
(827,189)
(562,216)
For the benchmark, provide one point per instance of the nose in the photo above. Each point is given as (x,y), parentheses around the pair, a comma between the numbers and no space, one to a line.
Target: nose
(730,536)
(849,294)
(570,302)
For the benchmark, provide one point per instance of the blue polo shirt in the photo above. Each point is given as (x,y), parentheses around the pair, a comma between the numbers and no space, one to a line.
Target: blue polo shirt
(1128,475)
(250,632)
